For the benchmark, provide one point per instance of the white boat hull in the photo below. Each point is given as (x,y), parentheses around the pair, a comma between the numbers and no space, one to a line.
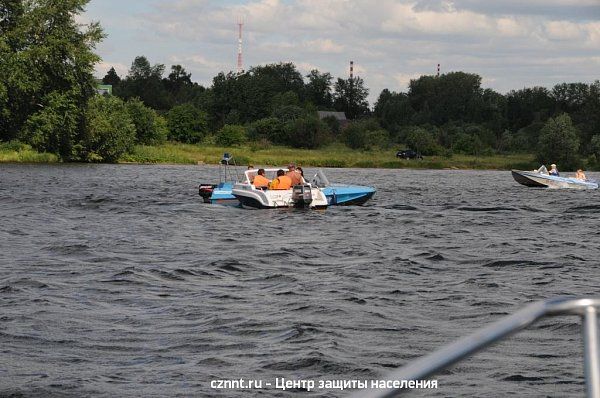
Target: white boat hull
(249,196)
(535,179)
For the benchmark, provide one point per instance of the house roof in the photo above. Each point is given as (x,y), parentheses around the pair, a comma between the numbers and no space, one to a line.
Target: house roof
(337,115)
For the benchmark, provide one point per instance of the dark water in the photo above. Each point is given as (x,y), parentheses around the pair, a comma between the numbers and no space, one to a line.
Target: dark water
(118,281)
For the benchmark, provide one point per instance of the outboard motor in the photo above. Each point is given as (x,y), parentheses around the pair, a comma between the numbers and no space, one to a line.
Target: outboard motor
(301,195)
(206,191)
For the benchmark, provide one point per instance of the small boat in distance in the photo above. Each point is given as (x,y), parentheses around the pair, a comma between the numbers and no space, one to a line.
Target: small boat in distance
(541,179)
(299,196)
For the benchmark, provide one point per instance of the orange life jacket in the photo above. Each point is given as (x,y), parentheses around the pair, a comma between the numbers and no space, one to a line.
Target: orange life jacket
(282,182)
(260,181)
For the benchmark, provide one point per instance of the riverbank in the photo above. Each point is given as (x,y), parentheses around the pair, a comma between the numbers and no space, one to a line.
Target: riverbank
(332,156)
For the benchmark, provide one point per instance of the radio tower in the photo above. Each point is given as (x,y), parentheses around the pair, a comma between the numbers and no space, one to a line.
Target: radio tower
(240,65)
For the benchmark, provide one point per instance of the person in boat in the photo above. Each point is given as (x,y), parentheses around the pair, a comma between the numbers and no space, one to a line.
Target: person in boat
(299,170)
(294,175)
(553,170)
(260,181)
(580,175)
(251,175)
(281,182)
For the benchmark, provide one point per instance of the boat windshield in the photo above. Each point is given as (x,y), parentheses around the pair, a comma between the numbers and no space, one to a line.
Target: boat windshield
(319,180)
(542,170)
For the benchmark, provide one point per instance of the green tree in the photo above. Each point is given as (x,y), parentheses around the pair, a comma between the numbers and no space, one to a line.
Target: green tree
(570,97)
(54,128)
(270,129)
(307,132)
(559,142)
(455,96)
(110,131)
(595,146)
(111,78)
(150,128)
(589,115)
(230,135)
(187,124)
(365,134)
(529,105)
(318,89)
(468,144)
(45,54)
(393,110)
(180,87)
(144,81)
(350,97)
(422,141)
(251,94)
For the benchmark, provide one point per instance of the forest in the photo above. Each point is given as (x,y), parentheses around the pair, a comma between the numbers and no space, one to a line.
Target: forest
(49,101)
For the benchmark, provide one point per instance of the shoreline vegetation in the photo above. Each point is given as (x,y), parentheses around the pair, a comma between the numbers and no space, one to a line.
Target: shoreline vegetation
(269,114)
(334,155)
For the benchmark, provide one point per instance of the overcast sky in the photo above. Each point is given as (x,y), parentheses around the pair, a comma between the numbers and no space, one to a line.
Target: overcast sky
(511,44)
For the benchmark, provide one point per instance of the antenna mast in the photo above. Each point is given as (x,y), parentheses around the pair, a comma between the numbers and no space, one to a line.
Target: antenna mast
(240,65)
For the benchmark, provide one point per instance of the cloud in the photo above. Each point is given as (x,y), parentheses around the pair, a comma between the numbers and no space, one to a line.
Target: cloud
(102,67)
(564,30)
(326,46)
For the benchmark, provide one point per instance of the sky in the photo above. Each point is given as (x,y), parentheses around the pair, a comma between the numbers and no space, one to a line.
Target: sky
(511,44)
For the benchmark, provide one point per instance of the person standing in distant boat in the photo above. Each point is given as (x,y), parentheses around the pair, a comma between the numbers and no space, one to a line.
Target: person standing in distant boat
(553,170)
(260,181)
(294,175)
(580,175)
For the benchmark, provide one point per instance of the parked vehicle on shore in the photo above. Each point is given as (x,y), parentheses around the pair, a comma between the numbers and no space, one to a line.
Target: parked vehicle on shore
(409,154)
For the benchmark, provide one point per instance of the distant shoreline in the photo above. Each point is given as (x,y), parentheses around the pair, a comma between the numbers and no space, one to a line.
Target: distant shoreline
(335,156)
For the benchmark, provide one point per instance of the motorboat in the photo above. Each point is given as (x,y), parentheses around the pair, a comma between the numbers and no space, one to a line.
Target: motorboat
(221,192)
(540,178)
(298,196)
(340,194)
(337,194)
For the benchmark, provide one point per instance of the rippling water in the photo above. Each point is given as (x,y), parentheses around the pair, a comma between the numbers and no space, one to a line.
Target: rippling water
(118,281)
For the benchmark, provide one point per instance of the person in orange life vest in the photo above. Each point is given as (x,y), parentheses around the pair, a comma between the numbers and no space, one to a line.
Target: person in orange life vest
(260,181)
(281,182)
(294,175)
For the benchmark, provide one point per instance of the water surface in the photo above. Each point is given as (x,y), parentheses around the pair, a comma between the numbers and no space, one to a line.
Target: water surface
(116,280)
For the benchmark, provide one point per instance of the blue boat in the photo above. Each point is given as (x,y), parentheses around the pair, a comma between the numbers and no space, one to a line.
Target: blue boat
(346,195)
(337,194)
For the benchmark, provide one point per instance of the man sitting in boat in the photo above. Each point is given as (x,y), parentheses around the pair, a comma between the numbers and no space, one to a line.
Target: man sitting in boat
(294,175)
(260,181)
(553,170)
(580,175)
(281,182)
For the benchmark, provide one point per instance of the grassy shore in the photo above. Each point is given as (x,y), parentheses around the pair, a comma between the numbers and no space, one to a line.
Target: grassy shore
(13,152)
(332,156)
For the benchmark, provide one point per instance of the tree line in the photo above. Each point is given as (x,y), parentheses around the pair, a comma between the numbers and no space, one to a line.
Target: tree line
(48,100)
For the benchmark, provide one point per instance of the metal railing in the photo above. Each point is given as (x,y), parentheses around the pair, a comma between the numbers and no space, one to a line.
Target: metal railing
(586,308)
